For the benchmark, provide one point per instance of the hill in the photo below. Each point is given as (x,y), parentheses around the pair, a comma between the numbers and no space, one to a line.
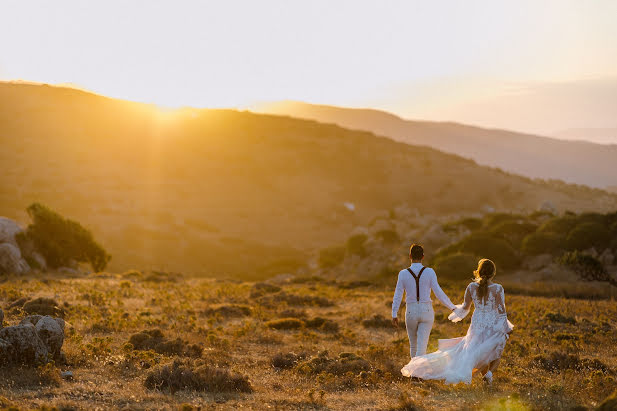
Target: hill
(534,156)
(228,192)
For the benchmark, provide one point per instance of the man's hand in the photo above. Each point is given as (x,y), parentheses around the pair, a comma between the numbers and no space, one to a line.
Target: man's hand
(395,322)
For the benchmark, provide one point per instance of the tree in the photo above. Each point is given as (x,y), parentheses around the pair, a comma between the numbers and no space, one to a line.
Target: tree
(61,240)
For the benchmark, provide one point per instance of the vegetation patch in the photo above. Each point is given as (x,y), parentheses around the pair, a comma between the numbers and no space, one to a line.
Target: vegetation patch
(156,341)
(194,376)
(559,318)
(229,310)
(322,324)
(378,321)
(558,361)
(285,324)
(331,257)
(286,360)
(43,306)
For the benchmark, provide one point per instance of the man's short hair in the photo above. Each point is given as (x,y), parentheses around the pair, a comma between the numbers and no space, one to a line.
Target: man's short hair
(416,252)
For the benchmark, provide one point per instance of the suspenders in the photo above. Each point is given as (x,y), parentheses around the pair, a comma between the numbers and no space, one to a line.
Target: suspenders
(417,282)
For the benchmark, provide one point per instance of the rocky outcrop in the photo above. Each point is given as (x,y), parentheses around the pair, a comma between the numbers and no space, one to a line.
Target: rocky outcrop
(11,261)
(36,339)
(8,230)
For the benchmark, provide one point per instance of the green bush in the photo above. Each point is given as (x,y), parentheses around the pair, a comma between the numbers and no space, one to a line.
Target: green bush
(559,225)
(388,236)
(587,235)
(488,246)
(456,266)
(355,244)
(472,224)
(331,257)
(61,240)
(513,231)
(542,243)
(494,219)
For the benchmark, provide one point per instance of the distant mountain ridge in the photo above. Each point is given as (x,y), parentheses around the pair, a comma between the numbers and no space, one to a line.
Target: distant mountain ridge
(229,192)
(530,155)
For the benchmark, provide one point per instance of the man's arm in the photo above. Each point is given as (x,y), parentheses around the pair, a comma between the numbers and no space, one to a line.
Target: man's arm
(396,300)
(441,296)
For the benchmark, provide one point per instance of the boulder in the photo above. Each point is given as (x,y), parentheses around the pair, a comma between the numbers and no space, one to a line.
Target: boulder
(8,229)
(51,331)
(11,260)
(21,344)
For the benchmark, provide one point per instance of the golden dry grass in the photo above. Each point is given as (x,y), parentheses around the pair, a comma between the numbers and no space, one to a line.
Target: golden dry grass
(230,321)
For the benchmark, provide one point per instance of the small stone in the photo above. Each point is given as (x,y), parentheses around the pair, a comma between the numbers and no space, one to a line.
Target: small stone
(67,375)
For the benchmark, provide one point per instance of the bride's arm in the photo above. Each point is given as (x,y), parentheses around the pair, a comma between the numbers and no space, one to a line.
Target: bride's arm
(462,310)
(500,305)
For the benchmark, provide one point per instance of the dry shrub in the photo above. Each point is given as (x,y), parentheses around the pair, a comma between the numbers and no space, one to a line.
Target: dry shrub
(285,324)
(558,361)
(350,285)
(199,377)
(43,306)
(322,324)
(229,310)
(559,318)
(378,321)
(304,300)
(156,341)
(285,361)
(293,313)
(259,289)
(345,363)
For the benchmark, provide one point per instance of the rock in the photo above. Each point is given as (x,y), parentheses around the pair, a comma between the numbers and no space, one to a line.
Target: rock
(21,344)
(51,331)
(607,257)
(11,261)
(67,375)
(8,229)
(537,262)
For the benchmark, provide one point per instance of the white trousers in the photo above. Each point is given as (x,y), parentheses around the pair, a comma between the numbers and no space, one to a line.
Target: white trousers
(419,318)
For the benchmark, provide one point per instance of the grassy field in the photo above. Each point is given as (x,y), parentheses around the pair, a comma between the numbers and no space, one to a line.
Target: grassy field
(303,343)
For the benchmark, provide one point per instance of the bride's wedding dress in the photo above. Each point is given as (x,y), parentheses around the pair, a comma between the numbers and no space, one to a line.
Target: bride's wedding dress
(485,340)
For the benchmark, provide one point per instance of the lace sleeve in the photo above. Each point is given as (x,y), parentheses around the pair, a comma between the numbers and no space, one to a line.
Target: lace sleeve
(462,310)
(500,306)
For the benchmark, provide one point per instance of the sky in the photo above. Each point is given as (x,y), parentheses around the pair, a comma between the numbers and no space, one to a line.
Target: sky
(545,67)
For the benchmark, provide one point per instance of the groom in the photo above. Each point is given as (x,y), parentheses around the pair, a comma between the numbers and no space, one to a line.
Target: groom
(417,281)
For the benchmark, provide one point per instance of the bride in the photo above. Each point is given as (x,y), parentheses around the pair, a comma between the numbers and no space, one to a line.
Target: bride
(481,348)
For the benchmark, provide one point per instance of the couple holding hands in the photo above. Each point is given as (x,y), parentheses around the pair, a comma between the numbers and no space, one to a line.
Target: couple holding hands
(457,358)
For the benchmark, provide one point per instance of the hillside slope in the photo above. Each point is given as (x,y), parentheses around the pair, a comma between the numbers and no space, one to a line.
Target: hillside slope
(529,155)
(221,191)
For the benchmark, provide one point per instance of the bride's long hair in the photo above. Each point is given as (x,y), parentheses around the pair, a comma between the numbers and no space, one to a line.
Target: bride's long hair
(486,270)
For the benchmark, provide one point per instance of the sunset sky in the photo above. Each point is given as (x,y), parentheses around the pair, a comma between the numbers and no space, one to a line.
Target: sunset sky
(535,66)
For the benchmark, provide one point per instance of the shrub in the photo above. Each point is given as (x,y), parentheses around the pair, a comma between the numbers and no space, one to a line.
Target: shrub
(542,243)
(388,236)
(180,376)
(587,267)
(587,235)
(156,341)
(285,324)
(259,289)
(559,318)
(487,246)
(43,306)
(456,266)
(229,310)
(469,223)
(283,361)
(331,257)
(378,321)
(559,225)
(355,244)
(494,219)
(513,231)
(62,241)
(322,324)
(558,361)
(345,363)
